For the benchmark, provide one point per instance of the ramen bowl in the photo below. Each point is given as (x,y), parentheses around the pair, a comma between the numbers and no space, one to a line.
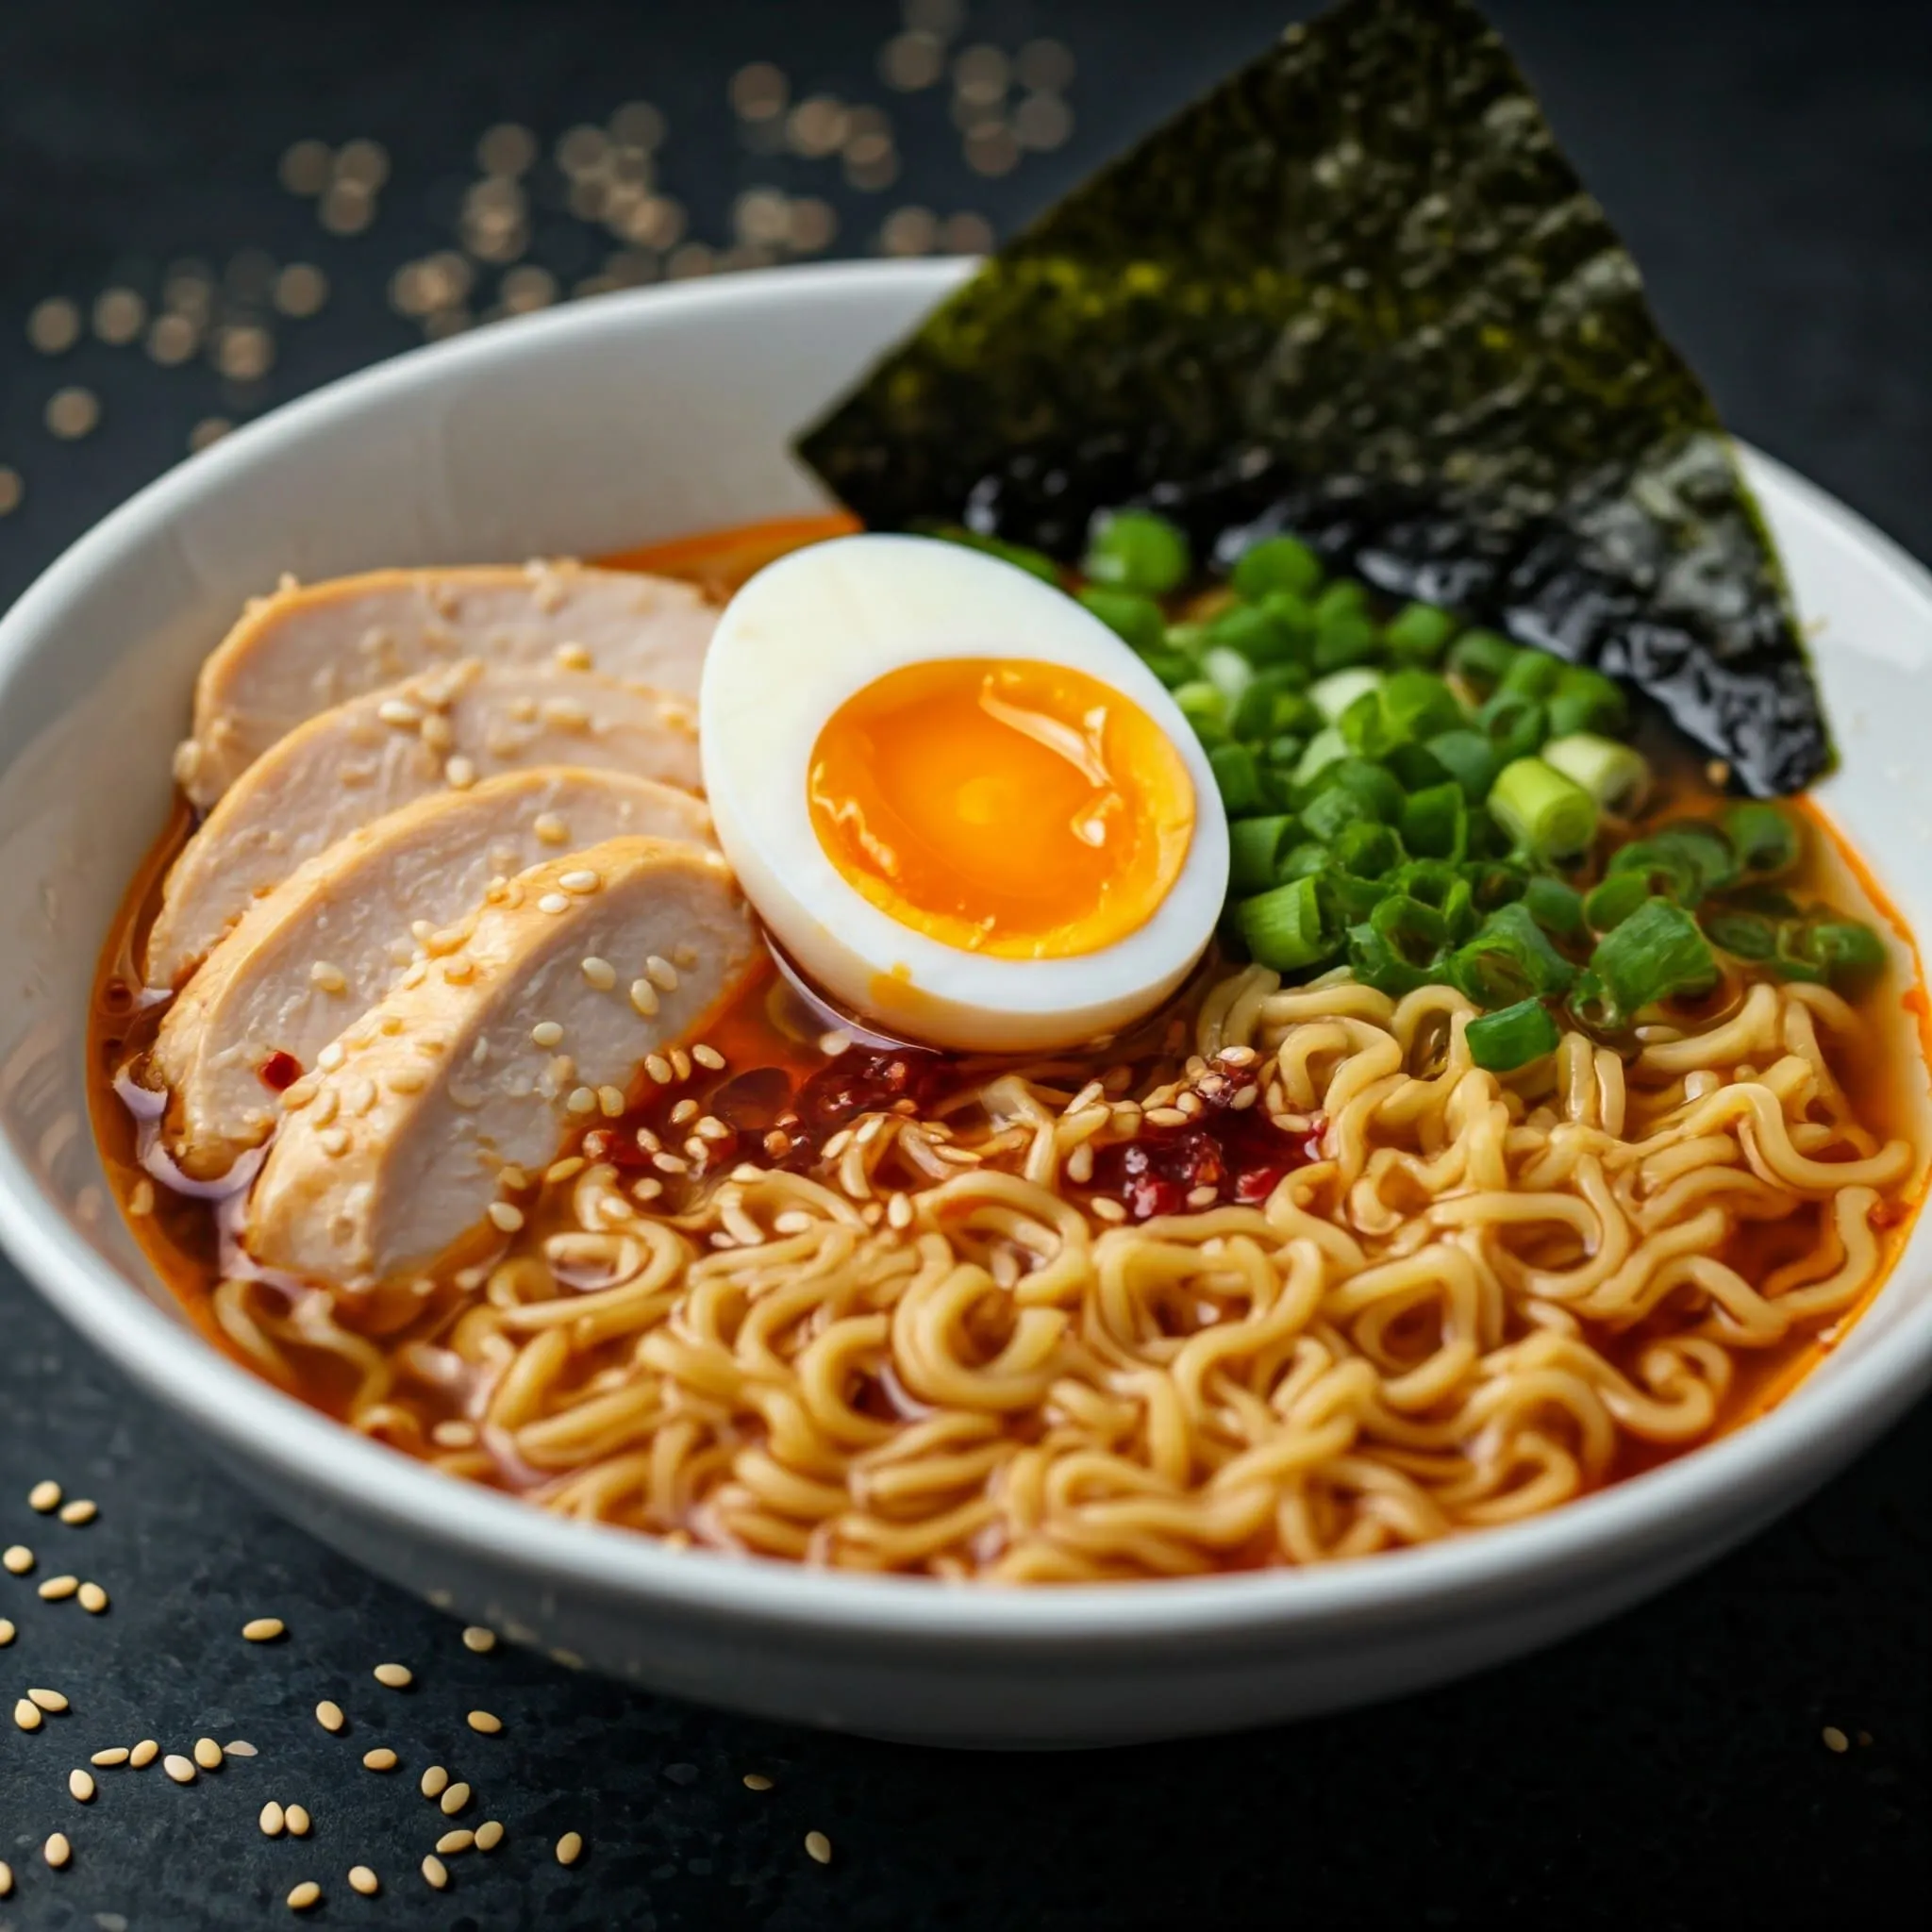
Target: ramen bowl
(601,427)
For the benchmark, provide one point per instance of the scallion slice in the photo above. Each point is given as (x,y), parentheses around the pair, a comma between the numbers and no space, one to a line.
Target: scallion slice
(1254,852)
(1322,750)
(1480,658)
(1435,822)
(1399,946)
(1615,775)
(1764,838)
(1237,773)
(1541,810)
(1136,550)
(1277,563)
(1501,1042)
(1283,929)
(1336,693)
(1510,959)
(1466,755)
(1586,700)
(1655,953)
(1419,634)
(1554,906)
(1127,614)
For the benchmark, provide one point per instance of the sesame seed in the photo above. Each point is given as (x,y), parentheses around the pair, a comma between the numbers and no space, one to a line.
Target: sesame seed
(178,1768)
(297,1816)
(600,973)
(27,1714)
(453,1841)
(363,1880)
(454,1799)
(1105,1210)
(329,978)
(708,1056)
(581,1100)
(570,1848)
(818,1846)
(572,658)
(44,1496)
(434,1782)
(329,1714)
(271,1819)
(78,1512)
(71,413)
(553,902)
(435,1871)
(546,1033)
(394,1677)
(144,1754)
(94,1599)
(57,1851)
(486,1721)
(6,1879)
(115,1754)
(306,1895)
(459,773)
(333,1140)
(396,711)
(565,713)
(643,996)
(140,1197)
(479,1640)
(489,1835)
(1835,1739)
(684,1110)
(583,881)
(208,1754)
(81,1786)
(550,829)
(658,1068)
(55,1701)
(240,1747)
(505,1215)
(757,1781)
(263,1629)
(381,1759)
(610,1102)
(19,1559)
(8,1633)
(662,973)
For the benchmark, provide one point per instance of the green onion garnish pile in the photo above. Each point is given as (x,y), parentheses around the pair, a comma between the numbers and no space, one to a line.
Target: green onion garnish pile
(1427,803)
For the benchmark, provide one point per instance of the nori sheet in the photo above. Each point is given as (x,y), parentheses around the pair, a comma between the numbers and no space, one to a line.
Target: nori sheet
(1358,291)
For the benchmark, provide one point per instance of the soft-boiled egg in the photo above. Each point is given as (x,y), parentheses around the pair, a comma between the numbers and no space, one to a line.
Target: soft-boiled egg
(956,798)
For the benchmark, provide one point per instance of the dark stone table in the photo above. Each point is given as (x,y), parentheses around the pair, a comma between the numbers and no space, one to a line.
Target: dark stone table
(1772,164)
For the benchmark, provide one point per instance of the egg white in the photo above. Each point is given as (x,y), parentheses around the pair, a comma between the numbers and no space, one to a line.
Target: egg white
(803,636)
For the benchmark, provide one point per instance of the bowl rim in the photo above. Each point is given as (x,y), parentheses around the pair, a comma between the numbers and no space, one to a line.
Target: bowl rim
(1755,1469)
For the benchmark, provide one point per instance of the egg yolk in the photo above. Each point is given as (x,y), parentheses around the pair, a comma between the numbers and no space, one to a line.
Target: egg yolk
(1015,808)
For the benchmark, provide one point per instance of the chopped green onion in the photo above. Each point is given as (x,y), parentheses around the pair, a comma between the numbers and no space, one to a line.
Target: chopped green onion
(1295,615)
(1764,838)
(1467,757)
(1554,906)
(1324,749)
(1541,810)
(1326,814)
(1303,860)
(1256,633)
(1494,882)
(1438,883)
(1662,870)
(1531,674)
(1586,700)
(1336,693)
(1509,958)
(1374,784)
(1419,634)
(1501,1042)
(1136,550)
(1172,668)
(1277,563)
(1127,614)
(1744,935)
(1283,928)
(1612,901)
(1254,852)
(1036,563)
(1516,725)
(1205,708)
(1418,705)
(1397,948)
(1366,726)
(1343,598)
(1691,848)
(1613,775)
(1828,949)
(1239,775)
(1345,641)
(1480,658)
(1228,671)
(1655,953)
(1435,822)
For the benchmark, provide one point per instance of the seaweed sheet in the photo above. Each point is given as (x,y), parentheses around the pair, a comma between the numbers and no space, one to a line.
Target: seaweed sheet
(1358,291)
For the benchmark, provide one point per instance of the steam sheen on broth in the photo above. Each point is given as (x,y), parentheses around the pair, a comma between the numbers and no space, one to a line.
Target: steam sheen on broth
(1280,1275)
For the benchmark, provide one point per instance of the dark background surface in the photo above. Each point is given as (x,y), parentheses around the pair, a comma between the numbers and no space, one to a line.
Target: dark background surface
(1771,166)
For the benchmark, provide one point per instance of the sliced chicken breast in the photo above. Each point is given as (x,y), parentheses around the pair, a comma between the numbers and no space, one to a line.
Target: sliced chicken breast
(333,935)
(312,646)
(352,764)
(464,1081)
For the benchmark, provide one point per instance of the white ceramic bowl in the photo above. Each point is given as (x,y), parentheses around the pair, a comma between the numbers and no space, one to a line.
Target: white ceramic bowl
(605,426)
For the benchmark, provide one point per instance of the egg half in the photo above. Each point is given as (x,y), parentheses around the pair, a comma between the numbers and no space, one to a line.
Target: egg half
(954,797)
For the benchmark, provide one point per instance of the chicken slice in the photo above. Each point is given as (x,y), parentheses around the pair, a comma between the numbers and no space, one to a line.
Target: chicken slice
(352,764)
(480,1061)
(332,938)
(312,646)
